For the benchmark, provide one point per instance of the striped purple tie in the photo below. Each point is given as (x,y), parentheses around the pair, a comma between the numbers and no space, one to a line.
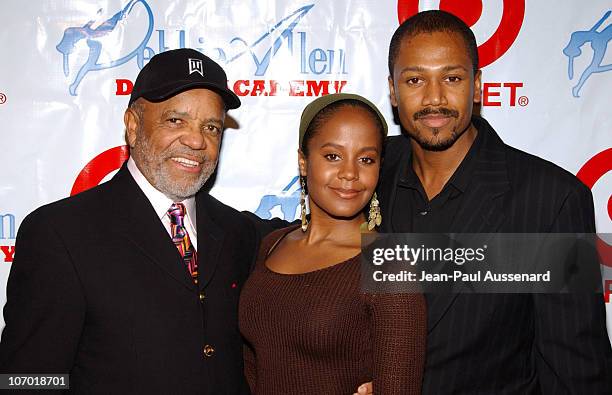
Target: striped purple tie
(180,237)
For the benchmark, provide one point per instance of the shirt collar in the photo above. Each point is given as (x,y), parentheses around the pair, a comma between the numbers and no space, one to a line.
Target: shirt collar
(462,176)
(408,177)
(160,202)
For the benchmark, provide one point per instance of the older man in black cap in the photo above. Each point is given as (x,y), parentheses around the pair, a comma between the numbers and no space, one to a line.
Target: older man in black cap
(132,286)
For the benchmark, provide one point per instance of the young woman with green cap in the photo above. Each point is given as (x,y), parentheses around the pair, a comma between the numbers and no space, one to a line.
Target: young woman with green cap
(308,326)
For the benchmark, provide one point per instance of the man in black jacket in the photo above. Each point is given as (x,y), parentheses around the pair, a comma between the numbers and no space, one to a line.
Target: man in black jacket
(132,286)
(450,172)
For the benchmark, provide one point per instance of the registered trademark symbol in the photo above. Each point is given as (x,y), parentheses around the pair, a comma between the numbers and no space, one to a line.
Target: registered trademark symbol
(523,101)
(2,98)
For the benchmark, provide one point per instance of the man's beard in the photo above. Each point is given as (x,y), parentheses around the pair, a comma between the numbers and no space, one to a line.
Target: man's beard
(154,170)
(433,143)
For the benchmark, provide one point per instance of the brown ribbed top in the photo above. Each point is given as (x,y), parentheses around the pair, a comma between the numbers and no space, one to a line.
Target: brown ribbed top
(318,333)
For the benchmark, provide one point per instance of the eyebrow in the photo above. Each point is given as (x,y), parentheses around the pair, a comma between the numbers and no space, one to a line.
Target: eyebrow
(369,148)
(214,120)
(183,114)
(445,69)
(169,113)
(338,146)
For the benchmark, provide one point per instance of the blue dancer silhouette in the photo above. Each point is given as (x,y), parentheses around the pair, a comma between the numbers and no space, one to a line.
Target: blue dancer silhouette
(73,35)
(599,43)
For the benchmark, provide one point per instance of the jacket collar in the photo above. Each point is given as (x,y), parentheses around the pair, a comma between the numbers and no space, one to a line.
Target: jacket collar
(210,237)
(137,220)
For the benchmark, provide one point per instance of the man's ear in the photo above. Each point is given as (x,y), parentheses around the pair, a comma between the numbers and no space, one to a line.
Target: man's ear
(477,87)
(392,92)
(302,163)
(131,120)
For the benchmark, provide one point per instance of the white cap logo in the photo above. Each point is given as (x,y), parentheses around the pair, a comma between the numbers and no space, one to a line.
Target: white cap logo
(196,66)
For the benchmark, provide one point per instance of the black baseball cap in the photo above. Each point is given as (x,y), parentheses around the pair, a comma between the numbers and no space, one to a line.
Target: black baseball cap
(172,72)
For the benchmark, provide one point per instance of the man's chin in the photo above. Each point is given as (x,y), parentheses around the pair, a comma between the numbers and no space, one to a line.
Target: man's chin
(183,189)
(435,139)
(436,146)
(178,195)
(434,143)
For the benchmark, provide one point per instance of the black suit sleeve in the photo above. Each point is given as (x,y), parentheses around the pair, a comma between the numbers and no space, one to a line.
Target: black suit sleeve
(45,309)
(573,353)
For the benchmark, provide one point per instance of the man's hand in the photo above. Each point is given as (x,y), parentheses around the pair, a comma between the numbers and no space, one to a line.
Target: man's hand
(365,389)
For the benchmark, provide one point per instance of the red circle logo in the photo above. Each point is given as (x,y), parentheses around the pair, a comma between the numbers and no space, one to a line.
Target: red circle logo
(470,12)
(589,174)
(99,167)
(594,169)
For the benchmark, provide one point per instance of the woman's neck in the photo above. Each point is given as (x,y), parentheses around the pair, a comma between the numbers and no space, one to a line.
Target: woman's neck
(323,227)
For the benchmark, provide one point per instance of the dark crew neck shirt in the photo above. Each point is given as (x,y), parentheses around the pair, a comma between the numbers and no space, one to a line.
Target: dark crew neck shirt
(415,213)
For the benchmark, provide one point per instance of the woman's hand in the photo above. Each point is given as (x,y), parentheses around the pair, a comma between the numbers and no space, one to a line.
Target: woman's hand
(365,389)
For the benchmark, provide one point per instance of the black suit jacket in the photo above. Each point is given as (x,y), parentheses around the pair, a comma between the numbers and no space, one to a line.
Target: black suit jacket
(520,343)
(97,290)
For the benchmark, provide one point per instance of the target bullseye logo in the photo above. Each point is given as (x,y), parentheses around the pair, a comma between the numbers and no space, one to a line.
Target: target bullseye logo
(594,169)
(99,167)
(470,11)
(591,172)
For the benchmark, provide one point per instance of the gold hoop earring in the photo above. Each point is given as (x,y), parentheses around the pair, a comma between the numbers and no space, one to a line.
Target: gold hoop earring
(303,205)
(374,216)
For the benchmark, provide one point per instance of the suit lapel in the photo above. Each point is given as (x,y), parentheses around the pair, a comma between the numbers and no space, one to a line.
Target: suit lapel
(481,209)
(210,239)
(482,205)
(398,154)
(137,221)
(394,219)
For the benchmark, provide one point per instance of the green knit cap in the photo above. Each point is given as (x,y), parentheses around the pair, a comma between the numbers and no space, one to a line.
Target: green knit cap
(320,103)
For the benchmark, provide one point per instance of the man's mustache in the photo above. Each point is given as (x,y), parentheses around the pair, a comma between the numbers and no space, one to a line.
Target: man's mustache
(195,154)
(447,112)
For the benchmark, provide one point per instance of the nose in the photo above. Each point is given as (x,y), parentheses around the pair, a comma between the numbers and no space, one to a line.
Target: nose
(434,94)
(194,139)
(348,171)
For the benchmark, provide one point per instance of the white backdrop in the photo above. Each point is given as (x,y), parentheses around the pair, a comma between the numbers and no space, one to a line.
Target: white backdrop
(67,65)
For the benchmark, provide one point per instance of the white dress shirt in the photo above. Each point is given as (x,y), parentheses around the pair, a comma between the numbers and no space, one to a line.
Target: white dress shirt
(161,203)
